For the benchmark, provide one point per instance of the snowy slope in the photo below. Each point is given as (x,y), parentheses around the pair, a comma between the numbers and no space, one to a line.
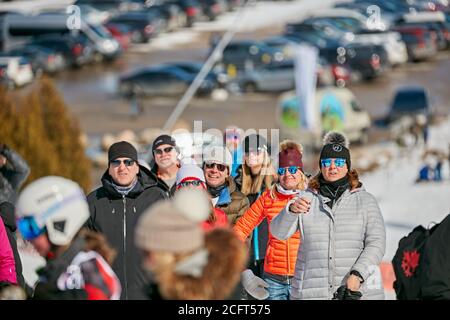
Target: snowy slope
(403,202)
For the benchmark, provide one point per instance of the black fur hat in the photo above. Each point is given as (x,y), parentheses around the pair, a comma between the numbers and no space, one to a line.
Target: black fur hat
(335,146)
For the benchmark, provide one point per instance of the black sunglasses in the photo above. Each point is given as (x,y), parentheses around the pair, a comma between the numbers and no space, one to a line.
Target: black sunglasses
(219,167)
(166,150)
(127,162)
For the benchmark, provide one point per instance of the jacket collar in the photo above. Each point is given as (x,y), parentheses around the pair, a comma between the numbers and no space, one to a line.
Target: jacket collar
(224,197)
(55,267)
(225,194)
(146,179)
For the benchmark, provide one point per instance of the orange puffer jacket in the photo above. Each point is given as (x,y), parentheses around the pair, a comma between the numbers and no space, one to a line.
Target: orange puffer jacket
(280,255)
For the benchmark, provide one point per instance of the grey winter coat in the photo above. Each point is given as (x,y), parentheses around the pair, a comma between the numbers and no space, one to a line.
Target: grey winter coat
(351,236)
(12,175)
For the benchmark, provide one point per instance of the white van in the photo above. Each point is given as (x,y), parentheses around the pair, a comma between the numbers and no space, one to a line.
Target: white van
(17,29)
(337,110)
(17,70)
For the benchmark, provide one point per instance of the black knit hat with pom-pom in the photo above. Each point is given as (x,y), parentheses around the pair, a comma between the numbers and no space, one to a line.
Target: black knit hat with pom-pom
(335,146)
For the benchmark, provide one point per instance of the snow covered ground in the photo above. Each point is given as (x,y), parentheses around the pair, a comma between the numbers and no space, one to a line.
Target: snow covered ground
(404,203)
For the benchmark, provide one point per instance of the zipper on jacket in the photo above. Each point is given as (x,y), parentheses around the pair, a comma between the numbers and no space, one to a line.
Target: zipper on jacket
(125,245)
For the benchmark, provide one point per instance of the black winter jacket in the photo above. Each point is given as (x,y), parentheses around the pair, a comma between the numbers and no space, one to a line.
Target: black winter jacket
(116,216)
(169,191)
(12,175)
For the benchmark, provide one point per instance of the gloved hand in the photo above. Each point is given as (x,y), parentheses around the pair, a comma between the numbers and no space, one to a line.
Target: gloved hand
(344,293)
(254,285)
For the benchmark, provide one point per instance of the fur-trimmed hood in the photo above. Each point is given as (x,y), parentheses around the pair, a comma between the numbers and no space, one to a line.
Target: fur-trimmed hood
(353,179)
(227,259)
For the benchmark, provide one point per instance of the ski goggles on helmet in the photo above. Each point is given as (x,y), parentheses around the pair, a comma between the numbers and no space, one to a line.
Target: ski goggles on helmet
(188,183)
(338,162)
(29,228)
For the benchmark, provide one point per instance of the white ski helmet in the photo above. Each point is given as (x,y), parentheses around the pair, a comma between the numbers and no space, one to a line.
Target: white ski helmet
(54,204)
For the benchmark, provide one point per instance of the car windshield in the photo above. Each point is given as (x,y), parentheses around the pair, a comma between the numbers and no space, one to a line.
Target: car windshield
(100,31)
(410,101)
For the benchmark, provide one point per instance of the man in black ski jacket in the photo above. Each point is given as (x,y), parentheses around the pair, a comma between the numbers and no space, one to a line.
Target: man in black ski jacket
(128,190)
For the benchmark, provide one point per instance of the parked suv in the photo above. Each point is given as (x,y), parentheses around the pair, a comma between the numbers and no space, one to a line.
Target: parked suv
(248,54)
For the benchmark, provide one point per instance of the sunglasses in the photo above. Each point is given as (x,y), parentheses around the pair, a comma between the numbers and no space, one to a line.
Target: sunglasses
(219,167)
(338,162)
(29,228)
(194,183)
(292,170)
(127,162)
(165,150)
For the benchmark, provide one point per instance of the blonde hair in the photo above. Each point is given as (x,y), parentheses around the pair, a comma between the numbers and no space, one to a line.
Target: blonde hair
(252,185)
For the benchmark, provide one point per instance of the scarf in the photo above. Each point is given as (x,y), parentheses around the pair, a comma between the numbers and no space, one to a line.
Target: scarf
(286,192)
(333,190)
(125,190)
(215,191)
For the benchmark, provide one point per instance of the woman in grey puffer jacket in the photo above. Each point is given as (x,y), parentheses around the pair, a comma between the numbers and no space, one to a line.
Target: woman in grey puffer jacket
(342,231)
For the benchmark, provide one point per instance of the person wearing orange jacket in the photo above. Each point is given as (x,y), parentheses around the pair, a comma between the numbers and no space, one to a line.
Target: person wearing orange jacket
(279,264)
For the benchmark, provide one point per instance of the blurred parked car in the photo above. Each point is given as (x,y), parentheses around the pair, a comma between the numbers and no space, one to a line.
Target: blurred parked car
(172,12)
(110,7)
(249,54)
(434,21)
(42,59)
(191,8)
(77,51)
(410,101)
(219,79)
(213,8)
(121,32)
(160,81)
(17,71)
(357,31)
(420,43)
(283,44)
(144,25)
(365,61)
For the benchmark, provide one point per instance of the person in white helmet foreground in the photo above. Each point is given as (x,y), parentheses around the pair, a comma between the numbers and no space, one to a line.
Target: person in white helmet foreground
(51,212)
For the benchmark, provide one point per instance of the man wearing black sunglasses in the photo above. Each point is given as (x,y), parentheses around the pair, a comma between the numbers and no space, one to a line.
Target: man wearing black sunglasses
(127,190)
(166,163)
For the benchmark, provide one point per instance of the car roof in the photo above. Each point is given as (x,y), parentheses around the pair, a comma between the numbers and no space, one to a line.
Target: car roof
(337,13)
(411,88)
(424,17)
